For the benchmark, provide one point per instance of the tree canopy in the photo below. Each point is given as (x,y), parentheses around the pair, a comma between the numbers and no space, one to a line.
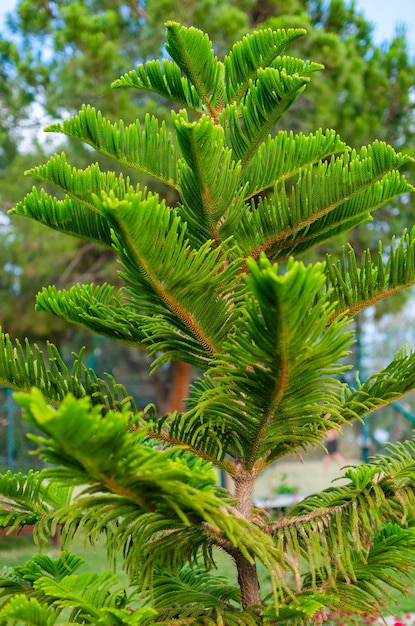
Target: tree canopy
(57,55)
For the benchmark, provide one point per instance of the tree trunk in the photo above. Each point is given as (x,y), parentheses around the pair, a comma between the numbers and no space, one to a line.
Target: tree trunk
(248,581)
(173,389)
(180,388)
(247,572)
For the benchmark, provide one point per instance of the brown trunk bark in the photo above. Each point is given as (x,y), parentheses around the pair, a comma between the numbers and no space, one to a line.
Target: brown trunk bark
(173,389)
(247,572)
(248,582)
(180,388)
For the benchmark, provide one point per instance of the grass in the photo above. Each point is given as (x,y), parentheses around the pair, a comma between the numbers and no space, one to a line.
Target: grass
(404,604)
(17,550)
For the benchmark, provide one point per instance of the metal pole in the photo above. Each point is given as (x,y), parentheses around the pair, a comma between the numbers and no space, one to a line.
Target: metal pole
(364,434)
(10,428)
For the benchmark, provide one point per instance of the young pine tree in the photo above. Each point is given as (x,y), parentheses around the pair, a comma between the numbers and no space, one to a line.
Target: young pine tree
(215,281)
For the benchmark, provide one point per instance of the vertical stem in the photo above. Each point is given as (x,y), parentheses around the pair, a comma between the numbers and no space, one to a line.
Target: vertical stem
(247,572)
(248,581)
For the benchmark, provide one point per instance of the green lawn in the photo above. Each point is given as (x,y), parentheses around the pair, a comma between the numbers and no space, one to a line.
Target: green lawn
(17,550)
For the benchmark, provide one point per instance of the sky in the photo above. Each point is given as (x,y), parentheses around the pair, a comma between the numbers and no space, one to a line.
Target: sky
(385,14)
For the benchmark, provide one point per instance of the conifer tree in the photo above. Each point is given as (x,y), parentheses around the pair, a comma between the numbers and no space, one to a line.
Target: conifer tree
(216,281)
